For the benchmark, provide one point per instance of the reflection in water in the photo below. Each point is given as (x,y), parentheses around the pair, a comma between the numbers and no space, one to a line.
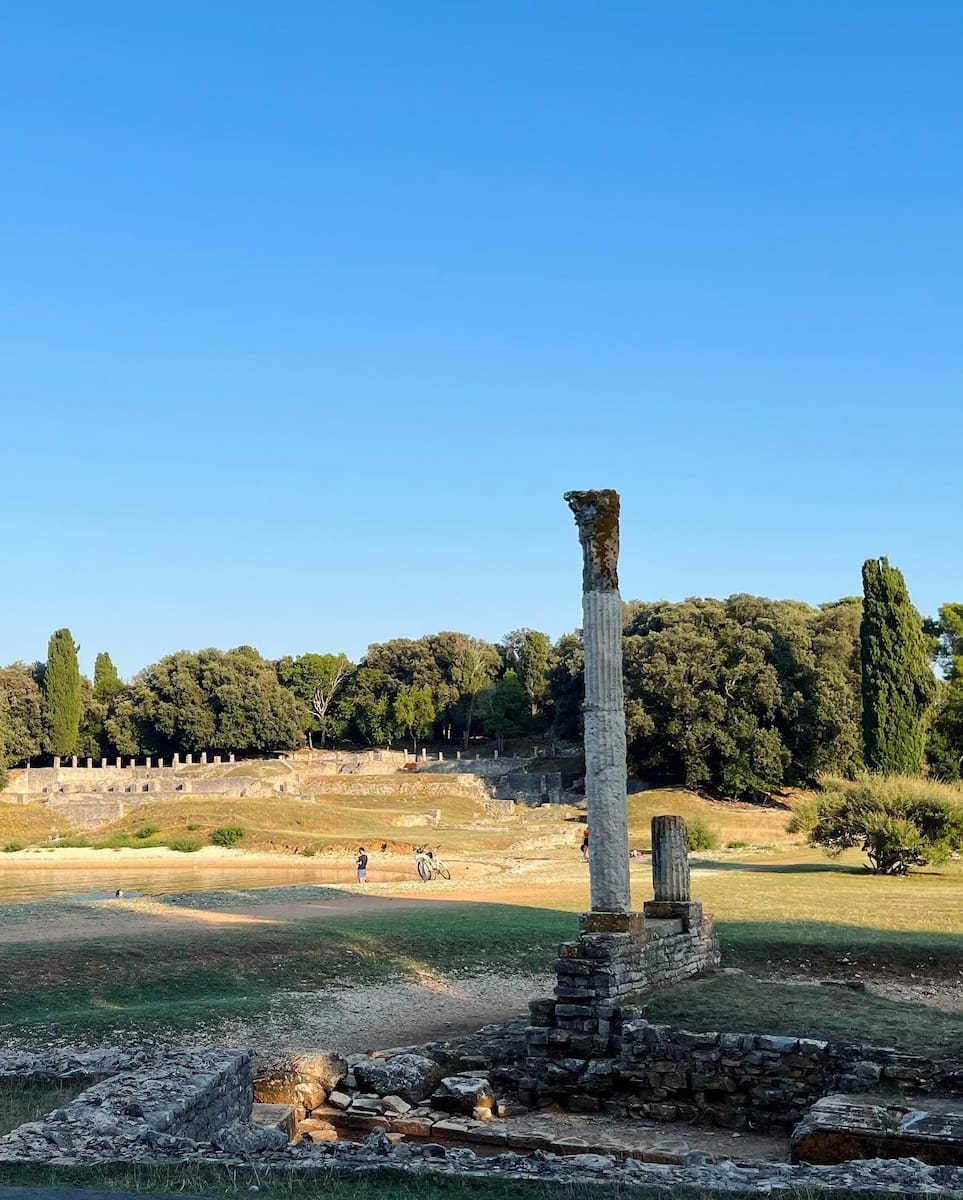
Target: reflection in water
(100,883)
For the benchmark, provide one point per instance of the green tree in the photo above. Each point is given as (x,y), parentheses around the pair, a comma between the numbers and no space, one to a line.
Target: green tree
(528,654)
(505,709)
(21,715)
(898,685)
(209,700)
(566,687)
(414,713)
(316,680)
(944,750)
(107,683)
(62,693)
(369,700)
(471,671)
(703,700)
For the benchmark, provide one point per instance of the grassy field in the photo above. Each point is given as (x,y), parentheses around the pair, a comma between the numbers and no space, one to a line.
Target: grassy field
(24,1100)
(232,1183)
(781,911)
(733,1004)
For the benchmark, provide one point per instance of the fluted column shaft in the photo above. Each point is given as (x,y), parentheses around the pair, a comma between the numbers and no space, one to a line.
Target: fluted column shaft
(596,514)
(670,859)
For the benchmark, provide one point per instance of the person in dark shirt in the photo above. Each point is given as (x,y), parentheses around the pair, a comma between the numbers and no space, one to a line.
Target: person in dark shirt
(362,864)
(585,844)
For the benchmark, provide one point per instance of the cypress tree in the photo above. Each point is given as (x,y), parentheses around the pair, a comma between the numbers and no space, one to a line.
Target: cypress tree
(61,685)
(107,683)
(898,685)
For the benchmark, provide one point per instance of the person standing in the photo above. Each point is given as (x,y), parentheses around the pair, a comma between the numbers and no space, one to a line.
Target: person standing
(585,844)
(362,864)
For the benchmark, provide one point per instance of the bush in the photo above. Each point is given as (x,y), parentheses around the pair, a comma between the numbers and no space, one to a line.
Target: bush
(73,841)
(227,835)
(736,845)
(192,827)
(13,847)
(701,837)
(897,821)
(309,851)
(186,845)
(146,831)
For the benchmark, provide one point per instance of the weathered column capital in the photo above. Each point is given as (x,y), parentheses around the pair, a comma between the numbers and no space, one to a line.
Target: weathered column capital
(597,518)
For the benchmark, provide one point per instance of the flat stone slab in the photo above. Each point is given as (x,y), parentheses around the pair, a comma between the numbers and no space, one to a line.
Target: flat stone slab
(842,1128)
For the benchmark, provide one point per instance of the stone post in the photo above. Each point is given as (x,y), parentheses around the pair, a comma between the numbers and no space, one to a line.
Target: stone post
(670,859)
(89,764)
(118,762)
(217,760)
(56,762)
(176,760)
(670,874)
(189,759)
(597,518)
(230,758)
(204,758)
(73,760)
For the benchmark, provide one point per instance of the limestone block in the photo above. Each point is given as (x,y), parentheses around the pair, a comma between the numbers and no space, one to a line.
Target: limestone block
(839,1128)
(464,1094)
(413,1077)
(274,1116)
(303,1079)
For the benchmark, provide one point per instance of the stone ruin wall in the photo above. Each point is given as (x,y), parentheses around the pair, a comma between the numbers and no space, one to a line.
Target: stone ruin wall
(172,1104)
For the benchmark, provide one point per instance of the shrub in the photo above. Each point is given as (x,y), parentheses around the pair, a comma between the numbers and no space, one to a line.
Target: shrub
(186,845)
(73,841)
(701,837)
(897,821)
(309,851)
(193,827)
(13,847)
(146,831)
(227,835)
(736,845)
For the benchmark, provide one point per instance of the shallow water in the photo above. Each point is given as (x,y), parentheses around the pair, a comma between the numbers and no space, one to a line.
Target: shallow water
(100,882)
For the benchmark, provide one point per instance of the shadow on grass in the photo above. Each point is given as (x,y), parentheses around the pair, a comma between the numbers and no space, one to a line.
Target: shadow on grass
(762,868)
(743,1005)
(211,973)
(822,947)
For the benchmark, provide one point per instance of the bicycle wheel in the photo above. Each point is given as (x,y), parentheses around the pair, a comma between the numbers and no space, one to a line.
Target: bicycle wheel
(424,870)
(443,872)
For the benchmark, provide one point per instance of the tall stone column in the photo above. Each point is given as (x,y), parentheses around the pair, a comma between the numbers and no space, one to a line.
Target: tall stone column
(597,518)
(670,859)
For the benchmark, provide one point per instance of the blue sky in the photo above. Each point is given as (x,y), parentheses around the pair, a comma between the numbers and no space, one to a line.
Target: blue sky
(310,313)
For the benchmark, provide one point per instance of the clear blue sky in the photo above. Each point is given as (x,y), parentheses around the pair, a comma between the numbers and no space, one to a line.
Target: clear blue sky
(310,312)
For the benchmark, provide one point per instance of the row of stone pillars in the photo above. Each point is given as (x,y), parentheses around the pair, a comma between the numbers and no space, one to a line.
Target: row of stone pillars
(148,762)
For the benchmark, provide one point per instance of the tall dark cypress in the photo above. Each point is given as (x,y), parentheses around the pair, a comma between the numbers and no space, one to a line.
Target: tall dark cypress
(61,685)
(898,685)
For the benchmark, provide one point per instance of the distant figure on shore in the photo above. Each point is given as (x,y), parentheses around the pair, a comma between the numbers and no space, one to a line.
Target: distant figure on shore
(362,863)
(118,895)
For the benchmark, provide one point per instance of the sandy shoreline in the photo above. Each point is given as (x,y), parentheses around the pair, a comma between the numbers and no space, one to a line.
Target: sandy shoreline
(83,857)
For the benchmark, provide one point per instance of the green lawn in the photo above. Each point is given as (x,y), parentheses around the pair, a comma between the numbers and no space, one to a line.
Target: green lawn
(740,1004)
(24,1100)
(240,1183)
(181,982)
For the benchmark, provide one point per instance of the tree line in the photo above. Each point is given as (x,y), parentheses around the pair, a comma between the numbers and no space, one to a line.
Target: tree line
(739,696)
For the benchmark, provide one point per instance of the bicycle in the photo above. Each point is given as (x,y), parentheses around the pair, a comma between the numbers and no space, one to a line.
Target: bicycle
(430,867)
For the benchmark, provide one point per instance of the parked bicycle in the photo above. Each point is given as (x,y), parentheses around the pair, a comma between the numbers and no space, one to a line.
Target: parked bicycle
(429,865)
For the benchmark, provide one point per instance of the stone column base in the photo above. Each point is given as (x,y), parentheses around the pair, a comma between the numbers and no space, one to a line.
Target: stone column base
(689,912)
(612,922)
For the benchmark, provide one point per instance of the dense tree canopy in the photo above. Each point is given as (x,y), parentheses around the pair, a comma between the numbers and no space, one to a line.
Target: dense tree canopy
(739,696)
